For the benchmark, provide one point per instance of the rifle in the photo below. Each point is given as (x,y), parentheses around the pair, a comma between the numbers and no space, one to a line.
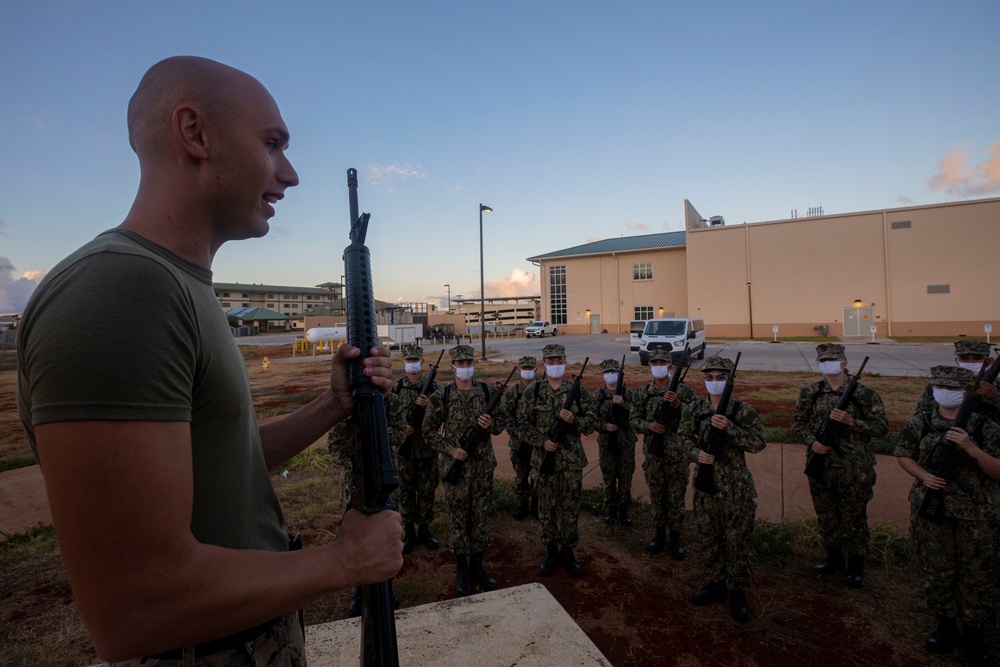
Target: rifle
(557,430)
(657,442)
(833,432)
(476,436)
(416,416)
(377,477)
(618,414)
(949,456)
(716,438)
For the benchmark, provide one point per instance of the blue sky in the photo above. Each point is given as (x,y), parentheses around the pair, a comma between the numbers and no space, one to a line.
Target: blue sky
(574,121)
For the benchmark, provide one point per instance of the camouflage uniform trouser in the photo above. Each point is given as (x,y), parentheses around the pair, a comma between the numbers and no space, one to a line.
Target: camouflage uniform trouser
(469,504)
(522,472)
(281,645)
(667,482)
(959,569)
(418,482)
(841,499)
(559,506)
(617,467)
(723,527)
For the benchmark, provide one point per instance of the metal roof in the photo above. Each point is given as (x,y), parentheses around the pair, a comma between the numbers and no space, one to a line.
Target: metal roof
(255,314)
(620,244)
(284,289)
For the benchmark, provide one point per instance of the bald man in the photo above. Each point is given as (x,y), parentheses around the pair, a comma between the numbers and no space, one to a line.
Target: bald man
(136,402)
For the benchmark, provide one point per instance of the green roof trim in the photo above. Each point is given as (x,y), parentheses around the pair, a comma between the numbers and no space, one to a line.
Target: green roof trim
(621,244)
(256,314)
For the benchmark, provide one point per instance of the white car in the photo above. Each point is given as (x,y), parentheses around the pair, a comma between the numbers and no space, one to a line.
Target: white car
(540,329)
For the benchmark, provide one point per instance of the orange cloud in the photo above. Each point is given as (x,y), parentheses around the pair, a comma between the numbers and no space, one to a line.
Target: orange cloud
(954,175)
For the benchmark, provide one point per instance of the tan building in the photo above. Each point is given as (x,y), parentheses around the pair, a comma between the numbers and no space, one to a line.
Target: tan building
(914,271)
(293,302)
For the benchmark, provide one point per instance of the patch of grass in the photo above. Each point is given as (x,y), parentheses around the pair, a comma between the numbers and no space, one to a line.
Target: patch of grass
(17,461)
(504,496)
(773,540)
(780,434)
(592,500)
(888,547)
(312,458)
(27,545)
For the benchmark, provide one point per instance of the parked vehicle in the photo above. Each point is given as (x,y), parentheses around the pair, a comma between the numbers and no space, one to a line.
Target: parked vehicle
(539,329)
(636,327)
(671,333)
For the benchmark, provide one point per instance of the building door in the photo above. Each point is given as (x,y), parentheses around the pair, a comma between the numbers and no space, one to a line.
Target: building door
(595,323)
(858,321)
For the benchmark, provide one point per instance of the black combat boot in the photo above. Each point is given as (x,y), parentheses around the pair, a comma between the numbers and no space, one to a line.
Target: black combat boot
(409,539)
(609,518)
(521,511)
(976,651)
(713,592)
(570,561)
(834,561)
(945,637)
(354,605)
(551,558)
(487,582)
(855,577)
(659,540)
(462,585)
(424,537)
(624,518)
(676,546)
(738,606)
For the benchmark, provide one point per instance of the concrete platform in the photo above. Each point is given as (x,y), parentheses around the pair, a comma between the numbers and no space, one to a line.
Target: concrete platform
(522,626)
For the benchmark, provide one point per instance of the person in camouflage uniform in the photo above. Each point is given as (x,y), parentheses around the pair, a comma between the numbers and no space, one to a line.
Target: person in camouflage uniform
(520,449)
(453,411)
(559,492)
(615,444)
(344,446)
(667,475)
(418,462)
(970,355)
(957,554)
(724,521)
(841,495)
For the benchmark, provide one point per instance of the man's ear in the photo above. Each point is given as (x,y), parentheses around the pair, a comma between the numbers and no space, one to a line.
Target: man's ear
(188,124)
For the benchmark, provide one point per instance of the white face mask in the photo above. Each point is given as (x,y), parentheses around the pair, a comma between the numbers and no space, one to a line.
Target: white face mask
(715,387)
(660,372)
(830,367)
(555,372)
(412,367)
(611,378)
(527,374)
(971,366)
(947,397)
(465,374)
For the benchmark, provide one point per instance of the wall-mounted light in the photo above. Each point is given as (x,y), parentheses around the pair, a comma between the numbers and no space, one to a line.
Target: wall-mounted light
(661,311)
(858,303)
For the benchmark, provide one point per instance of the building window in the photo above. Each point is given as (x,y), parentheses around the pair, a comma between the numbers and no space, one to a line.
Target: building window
(225,304)
(225,295)
(642,271)
(557,294)
(643,313)
(271,306)
(246,295)
(286,296)
(270,296)
(245,304)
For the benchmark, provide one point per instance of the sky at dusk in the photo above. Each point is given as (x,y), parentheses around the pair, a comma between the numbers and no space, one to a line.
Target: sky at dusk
(574,121)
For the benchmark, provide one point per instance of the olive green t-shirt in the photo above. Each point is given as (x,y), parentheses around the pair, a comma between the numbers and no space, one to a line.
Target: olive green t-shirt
(123,329)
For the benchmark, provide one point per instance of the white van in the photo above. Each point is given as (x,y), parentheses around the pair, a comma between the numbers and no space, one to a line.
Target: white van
(636,327)
(671,333)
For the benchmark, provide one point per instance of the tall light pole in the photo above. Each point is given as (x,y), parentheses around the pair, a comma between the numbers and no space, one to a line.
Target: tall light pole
(449,297)
(482,284)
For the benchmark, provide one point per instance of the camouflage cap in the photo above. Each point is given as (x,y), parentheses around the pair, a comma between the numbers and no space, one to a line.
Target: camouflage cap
(660,355)
(717,363)
(951,376)
(610,365)
(975,348)
(826,351)
(553,350)
(413,351)
(460,352)
(525,362)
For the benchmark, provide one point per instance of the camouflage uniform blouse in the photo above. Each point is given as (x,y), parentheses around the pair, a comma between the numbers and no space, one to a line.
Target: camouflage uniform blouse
(644,402)
(816,402)
(463,412)
(920,439)
(407,392)
(731,475)
(539,408)
(988,409)
(603,401)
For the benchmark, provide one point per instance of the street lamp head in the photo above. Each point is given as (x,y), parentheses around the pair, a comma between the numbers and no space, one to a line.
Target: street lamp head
(485,209)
